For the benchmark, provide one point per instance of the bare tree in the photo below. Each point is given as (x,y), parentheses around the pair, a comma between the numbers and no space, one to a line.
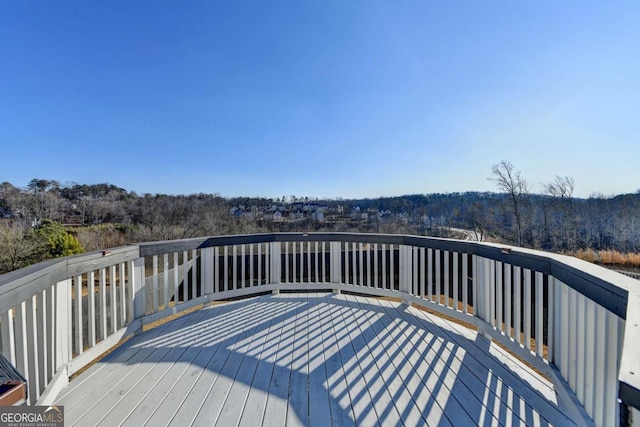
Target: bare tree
(17,247)
(561,187)
(560,191)
(511,182)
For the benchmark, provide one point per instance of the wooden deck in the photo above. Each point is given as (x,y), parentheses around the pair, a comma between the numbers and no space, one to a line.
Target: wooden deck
(310,359)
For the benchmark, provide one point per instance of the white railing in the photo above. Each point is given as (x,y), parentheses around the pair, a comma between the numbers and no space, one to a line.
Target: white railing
(563,315)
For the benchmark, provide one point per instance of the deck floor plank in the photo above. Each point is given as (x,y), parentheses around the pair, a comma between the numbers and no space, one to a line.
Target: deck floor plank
(319,399)
(192,362)
(236,399)
(310,359)
(107,393)
(254,409)
(481,363)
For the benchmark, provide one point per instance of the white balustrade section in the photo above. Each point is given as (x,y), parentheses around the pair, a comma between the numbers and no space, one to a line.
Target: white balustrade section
(56,320)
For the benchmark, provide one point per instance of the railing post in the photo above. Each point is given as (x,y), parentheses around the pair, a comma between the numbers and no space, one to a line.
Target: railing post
(137,287)
(206,256)
(406,269)
(63,322)
(275,261)
(335,261)
(8,337)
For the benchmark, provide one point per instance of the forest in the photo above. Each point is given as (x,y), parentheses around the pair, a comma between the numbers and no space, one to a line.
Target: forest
(45,219)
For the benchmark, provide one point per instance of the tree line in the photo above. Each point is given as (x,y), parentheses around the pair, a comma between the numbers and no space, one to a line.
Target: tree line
(104,215)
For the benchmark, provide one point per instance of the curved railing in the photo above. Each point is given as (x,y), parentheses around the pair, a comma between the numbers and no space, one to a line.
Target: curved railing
(572,320)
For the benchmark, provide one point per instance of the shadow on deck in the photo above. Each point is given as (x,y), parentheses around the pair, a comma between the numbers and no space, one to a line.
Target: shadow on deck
(310,359)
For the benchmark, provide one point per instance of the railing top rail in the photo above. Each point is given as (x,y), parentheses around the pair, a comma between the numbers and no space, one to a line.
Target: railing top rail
(19,285)
(604,286)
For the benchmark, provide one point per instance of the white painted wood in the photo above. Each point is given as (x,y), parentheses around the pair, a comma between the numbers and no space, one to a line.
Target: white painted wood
(430,274)
(375,266)
(491,266)
(251,266)
(176,276)
(580,347)
(206,271)
(129,294)
(260,255)
(32,346)
(499,299)
(572,337)
(301,270)
(138,294)
(423,273)
(324,279)
(185,273)
(194,272)
(489,291)
(508,300)
(517,308)
(309,269)
(347,264)
(438,278)
(286,263)
(114,298)
(92,353)
(154,289)
(361,265)
(316,263)
(392,272)
(475,284)
(384,265)
(234,263)
(354,259)
(369,260)
(563,330)
(405,269)
(483,290)
(21,334)
(58,382)
(165,280)
(8,337)
(374,362)
(274,264)
(77,286)
(271,256)
(551,314)
(51,330)
(295,264)
(612,364)
(102,298)
(527,308)
(539,314)
(571,406)
(63,322)
(91,308)
(601,365)
(590,344)
(465,283)
(243,266)
(447,277)
(456,281)
(123,297)
(42,347)
(225,264)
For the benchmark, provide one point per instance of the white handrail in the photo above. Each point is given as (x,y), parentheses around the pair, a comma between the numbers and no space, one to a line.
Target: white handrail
(565,316)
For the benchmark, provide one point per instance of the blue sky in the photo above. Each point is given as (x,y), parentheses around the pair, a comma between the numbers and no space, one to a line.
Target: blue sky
(346,98)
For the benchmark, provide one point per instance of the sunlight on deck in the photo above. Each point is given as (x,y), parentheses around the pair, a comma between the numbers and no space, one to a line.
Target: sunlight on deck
(309,359)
